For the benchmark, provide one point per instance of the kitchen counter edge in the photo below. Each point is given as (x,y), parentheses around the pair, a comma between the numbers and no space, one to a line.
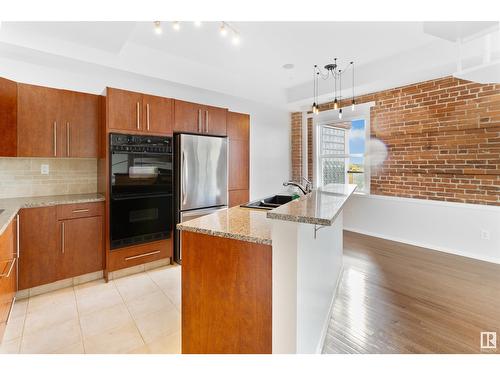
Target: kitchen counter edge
(11,206)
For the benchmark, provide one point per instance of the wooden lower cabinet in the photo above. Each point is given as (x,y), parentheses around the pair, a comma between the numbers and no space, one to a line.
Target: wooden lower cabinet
(39,256)
(237,197)
(139,254)
(8,274)
(58,243)
(82,245)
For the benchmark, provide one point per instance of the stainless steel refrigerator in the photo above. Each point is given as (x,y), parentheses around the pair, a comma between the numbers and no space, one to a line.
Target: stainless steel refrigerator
(201,179)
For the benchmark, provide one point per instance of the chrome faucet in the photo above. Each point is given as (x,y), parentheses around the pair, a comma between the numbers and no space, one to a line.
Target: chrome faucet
(305,189)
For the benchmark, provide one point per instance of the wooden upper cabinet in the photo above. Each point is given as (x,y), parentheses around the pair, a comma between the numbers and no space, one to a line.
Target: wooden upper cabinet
(199,119)
(39,128)
(134,112)
(238,131)
(188,117)
(124,109)
(215,120)
(56,123)
(158,115)
(8,118)
(238,126)
(81,124)
(239,165)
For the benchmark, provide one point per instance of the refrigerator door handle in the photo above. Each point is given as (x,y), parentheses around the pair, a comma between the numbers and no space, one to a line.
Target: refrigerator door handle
(184,178)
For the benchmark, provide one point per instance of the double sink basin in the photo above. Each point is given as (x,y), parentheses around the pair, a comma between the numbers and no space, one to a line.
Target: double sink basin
(270,202)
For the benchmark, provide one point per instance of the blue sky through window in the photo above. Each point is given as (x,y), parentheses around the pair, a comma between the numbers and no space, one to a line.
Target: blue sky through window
(357,140)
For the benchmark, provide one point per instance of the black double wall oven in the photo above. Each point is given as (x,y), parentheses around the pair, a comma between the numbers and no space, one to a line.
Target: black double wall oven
(141,204)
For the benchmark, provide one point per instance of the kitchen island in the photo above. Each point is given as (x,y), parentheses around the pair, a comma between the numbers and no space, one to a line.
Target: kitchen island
(256,281)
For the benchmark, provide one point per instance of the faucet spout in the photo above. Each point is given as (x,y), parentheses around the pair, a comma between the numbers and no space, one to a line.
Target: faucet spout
(304,190)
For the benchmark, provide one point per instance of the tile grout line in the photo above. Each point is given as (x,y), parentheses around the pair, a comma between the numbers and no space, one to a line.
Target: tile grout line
(166,295)
(128,310)
(24,325)
(79,320)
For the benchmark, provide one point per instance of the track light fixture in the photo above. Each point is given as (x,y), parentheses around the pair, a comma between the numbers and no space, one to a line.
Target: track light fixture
(225,29)
(332,71)
(158,29)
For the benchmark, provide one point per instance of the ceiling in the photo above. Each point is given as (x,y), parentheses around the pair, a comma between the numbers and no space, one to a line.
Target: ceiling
(386,54)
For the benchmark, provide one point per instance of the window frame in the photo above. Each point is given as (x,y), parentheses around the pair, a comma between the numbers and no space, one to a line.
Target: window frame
(319,157)
(330,118)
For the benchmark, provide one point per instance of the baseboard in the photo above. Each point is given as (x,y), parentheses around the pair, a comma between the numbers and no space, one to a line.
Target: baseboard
(422,244)
(113,275)
(324,331)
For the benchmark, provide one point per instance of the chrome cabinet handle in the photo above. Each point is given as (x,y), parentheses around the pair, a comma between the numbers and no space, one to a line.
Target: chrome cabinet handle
(183,187)
(199,121)
(143,255)
(147,115)
(7,274)
(138,115)
(55,138)
(206,121)
(68,138)
(62,237)
(81,210)
(17,234)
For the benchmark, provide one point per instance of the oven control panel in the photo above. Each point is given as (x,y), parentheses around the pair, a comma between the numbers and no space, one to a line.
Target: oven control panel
(140,144)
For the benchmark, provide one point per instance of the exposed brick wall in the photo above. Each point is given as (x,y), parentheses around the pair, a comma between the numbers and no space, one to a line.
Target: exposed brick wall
(443,141)
(296,143)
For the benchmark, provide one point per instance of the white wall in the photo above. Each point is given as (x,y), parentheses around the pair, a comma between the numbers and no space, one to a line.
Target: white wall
(270,126)
(306,271)
(450,227)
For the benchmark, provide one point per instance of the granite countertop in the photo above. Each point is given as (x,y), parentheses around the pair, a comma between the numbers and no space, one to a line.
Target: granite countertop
(237,223)
(320,207)
(11,206)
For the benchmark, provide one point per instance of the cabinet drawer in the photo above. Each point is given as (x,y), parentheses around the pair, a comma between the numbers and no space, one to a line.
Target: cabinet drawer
(7,288)
(140,254)
(7,245)
(77,210)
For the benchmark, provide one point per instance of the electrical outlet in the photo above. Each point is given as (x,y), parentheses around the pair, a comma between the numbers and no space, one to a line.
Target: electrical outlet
(485,234)
(44,169)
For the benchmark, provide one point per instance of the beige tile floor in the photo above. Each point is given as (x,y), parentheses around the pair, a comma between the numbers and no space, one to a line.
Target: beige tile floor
(135,314)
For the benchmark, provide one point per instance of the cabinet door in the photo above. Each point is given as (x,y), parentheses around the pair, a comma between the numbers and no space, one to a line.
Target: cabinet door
(237,197)
(188,117)
(238,126)
(215,121)
(238,165)
(124,110)
(80,124)
(8,267)
(81,245)
(8,118)
(158,115)
(39,256)
(38,121)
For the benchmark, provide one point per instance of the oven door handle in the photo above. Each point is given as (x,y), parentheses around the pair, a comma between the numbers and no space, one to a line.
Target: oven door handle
(184,178)
(132,197)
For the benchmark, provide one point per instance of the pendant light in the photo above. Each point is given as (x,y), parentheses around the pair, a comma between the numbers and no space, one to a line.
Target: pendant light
(332,71)
(340,92)
(353,101)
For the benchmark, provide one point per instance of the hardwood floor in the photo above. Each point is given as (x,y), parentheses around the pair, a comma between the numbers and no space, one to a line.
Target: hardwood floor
(397,298)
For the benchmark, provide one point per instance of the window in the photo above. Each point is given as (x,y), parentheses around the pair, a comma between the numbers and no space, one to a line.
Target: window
(341,154)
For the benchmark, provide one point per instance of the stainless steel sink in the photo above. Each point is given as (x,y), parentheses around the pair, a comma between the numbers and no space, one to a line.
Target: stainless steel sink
(270,202)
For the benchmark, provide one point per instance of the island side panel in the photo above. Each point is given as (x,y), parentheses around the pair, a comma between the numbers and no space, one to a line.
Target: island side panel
(226,295)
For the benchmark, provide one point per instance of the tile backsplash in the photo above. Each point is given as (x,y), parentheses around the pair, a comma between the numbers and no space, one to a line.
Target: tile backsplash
(21,177)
